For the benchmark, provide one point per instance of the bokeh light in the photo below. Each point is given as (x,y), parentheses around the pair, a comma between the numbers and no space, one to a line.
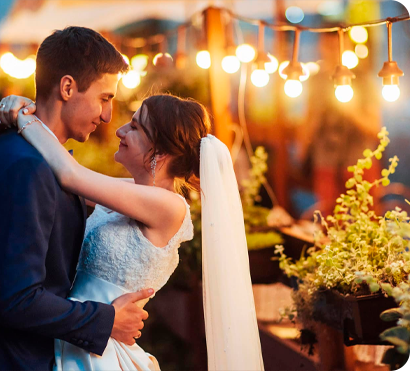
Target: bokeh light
(162,60)
(126,59)
(313,68)
(344,93)
(139,62)
(246,53)
(131,80)
(203,59)
(362,51)
(294,14)
(350,59)
(259,78)
(391,93)
(359,34)
(231,64)
(330,8)
(17,68)
(293,88)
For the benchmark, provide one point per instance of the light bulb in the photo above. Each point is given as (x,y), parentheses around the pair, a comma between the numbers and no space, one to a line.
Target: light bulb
(312,67)
(349,59)
(139,62)
(259,78)
(344,93)
(162,60)
(245,53)
(203,59)
(391,92)
(293,88)
(272,66)
(231,64)
(131,80)
(359,34)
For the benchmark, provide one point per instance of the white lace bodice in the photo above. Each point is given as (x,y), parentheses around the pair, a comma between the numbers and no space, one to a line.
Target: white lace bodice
(115,250)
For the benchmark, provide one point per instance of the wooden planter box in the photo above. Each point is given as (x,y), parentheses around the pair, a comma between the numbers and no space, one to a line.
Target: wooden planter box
(358,317)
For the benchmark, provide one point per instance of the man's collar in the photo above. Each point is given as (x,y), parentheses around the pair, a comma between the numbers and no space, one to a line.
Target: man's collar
(46,127)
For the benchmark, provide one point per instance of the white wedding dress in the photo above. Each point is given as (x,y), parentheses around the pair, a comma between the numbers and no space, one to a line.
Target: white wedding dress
(115,259)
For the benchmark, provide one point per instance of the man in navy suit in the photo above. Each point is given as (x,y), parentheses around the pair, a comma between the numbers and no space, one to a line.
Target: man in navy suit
(42,226)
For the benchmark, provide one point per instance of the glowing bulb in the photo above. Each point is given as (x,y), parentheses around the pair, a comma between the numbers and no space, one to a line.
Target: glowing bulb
(231,64)
(293,88)
(245,53)
(272,66)
(203,59)
(19,69)
(358,34)
(361,51)
(131,80)
(391,93)
(259,78)
(302,77)
(349,59)
(294,14)
(139,62)
(162,59)
(306,73)
(344,93)
(126,59)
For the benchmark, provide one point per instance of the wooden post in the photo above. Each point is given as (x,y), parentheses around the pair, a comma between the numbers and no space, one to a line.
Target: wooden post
(219,80)
(278,174)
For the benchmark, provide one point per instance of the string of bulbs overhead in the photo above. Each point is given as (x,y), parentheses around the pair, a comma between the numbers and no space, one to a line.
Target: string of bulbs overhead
(294,72)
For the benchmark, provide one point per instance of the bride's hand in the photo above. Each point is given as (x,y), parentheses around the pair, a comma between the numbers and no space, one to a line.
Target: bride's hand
(10,107)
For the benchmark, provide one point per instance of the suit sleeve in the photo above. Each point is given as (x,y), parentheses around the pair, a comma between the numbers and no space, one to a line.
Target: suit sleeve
(27,209)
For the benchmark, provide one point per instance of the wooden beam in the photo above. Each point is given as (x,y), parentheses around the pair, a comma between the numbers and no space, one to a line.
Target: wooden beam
(218,79)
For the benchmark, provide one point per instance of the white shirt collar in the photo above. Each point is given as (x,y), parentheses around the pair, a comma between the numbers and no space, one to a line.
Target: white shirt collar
(46,127)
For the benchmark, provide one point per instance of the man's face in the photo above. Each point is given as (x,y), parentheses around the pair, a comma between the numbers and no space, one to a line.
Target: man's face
(84,111)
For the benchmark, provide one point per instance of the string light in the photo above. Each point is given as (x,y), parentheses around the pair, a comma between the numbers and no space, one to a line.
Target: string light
(358,34)
(362,51)
(230,63)
(390,71)
(259,76)
(203,59)
(17,68)
(350,59)
(245,53)
(342,77)
(293,72)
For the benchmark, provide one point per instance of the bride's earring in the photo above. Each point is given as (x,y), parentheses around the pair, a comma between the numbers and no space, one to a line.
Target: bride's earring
(153,166)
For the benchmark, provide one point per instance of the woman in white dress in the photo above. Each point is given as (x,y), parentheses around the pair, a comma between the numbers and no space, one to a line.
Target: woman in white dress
(131,242)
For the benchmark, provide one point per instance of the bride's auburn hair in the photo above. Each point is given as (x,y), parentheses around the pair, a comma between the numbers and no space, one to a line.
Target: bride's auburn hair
(177,126)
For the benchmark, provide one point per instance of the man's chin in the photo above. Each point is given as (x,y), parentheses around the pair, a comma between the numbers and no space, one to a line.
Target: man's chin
(82,137)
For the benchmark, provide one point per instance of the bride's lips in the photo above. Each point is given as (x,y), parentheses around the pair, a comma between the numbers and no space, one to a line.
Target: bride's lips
(123,145)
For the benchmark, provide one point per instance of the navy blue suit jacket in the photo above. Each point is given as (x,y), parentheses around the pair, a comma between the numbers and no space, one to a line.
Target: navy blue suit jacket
(41,231)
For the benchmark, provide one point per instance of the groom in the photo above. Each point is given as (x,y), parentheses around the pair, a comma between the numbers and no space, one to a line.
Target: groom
(42,226)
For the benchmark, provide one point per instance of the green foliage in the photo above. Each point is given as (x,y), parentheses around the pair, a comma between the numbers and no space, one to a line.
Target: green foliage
(355,245)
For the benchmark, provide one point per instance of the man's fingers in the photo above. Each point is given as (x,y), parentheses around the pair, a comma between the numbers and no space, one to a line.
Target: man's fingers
(140,295)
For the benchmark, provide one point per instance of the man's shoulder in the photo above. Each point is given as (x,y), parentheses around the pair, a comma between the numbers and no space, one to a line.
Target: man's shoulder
(15,151)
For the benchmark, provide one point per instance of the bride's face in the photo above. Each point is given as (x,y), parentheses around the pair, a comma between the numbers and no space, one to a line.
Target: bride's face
(135,144)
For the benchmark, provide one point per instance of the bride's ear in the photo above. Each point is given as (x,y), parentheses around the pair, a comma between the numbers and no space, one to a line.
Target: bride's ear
(67,85)
(161,156)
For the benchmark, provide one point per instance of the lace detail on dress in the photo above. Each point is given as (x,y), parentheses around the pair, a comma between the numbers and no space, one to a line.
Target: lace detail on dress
(114,249)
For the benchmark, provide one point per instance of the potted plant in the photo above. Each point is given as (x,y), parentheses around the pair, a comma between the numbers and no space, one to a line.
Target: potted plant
(354,243)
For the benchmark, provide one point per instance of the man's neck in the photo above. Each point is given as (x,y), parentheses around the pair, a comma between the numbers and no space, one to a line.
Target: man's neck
(49,114)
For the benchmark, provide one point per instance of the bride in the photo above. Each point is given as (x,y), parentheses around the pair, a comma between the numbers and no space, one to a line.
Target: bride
(132,239)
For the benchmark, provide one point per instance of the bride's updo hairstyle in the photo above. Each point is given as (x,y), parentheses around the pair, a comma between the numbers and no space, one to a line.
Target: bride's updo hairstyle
(177,126)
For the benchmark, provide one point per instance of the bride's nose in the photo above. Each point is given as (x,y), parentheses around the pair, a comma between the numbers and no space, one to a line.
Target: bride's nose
(120,133)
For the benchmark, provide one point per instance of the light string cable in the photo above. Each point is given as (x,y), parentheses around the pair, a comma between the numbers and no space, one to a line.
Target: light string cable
(242,116)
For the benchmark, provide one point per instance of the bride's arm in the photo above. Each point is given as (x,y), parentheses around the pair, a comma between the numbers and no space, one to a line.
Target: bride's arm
(153,206)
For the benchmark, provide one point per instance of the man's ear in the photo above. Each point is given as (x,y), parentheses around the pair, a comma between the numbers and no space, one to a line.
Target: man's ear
(67,87)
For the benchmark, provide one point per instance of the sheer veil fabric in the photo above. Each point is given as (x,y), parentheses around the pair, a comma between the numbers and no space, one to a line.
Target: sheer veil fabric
(231,328)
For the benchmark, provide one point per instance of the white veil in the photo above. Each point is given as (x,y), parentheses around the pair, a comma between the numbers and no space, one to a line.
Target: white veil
(232,333)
